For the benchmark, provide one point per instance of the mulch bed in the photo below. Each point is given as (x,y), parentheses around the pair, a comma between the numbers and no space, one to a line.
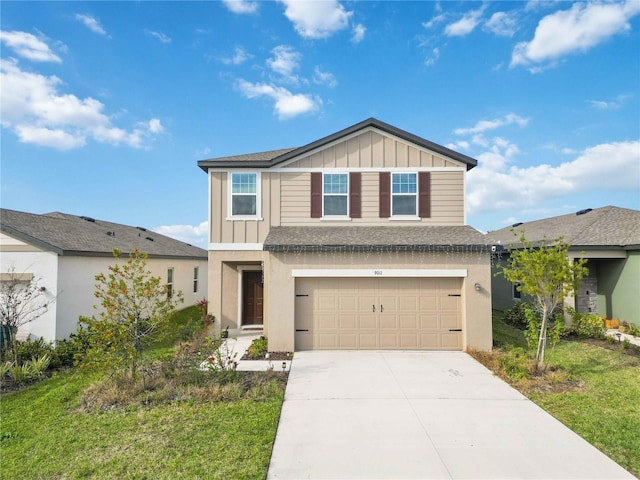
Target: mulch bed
(272,356)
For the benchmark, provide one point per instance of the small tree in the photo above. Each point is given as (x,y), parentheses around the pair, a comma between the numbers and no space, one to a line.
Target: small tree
(134,313)
(548,275)
(22,300)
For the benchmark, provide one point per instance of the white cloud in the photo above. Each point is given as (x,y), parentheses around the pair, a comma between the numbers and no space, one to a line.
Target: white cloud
(34,109)
(195,235)
(316,19)
(577,29)
(611,104)
(287,105)
(160,36)
(502,23)
(324,78)
(285,62)
(28,46)
(358,33)
(434,21)
(241,7)
(484,125)
(466,24)
(433,57)
(91,23)
(493,185)
(239,57)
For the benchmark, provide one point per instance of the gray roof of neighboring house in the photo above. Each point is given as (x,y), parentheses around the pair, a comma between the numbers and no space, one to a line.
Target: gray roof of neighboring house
(356,238)
(607,227)
(275,157)
(72,235)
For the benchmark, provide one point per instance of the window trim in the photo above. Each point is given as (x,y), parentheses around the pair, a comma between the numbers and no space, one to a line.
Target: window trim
(230,194)
(347,194)
(416,195)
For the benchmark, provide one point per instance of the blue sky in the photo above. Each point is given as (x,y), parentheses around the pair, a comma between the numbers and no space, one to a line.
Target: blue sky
(107,106)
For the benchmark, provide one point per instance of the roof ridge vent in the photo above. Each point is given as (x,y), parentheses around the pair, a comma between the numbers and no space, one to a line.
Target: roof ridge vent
(150,239)
(582,212)
(111,234)
(88,219)
(516,224)
(142,228)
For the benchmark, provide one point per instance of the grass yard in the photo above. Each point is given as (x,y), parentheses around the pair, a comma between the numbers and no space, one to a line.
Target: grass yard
(604,407)
(45,435)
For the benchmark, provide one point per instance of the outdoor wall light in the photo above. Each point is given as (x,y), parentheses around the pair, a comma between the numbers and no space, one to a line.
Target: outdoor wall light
(477,286)
(43,289)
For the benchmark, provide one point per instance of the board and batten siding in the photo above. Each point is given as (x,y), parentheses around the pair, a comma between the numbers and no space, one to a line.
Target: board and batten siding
(371,150)
(447,200)
(222,230)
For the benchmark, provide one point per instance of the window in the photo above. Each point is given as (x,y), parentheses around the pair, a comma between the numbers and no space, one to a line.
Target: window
(517,294)
(195,279)
(335,194)
(404,194)
(169,282)
(244,200)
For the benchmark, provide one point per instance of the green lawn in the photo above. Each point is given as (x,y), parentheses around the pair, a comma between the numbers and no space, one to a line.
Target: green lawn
(44,436)
(605,410)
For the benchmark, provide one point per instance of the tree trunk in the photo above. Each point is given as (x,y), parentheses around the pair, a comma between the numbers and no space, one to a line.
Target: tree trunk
(542,341)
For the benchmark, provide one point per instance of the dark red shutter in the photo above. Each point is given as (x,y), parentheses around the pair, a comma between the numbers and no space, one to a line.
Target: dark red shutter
(424,194)
(355,195)
(316,195)
(385,194)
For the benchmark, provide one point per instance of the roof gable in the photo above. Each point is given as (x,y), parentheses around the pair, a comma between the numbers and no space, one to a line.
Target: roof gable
(66,234)
(282,157)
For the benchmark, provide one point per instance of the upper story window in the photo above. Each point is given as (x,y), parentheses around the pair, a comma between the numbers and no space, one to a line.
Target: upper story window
(335,195)
(244,193)
(404,194)
(195,279)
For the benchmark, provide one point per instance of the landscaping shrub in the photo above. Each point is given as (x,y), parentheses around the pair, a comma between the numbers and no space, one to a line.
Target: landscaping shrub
(28,349)
(517,364)
(258,348)
(586,325)
(516,316)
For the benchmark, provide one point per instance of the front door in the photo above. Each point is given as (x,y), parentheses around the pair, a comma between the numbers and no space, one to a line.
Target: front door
(252,297)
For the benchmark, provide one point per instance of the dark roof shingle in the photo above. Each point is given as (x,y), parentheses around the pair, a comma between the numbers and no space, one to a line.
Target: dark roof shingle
(373,238)
(600,227)
(72,235)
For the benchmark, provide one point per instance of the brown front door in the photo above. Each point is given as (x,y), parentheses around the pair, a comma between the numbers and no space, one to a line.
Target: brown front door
(252,297)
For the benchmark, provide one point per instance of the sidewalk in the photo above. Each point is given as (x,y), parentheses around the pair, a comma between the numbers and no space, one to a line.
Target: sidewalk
(612,332)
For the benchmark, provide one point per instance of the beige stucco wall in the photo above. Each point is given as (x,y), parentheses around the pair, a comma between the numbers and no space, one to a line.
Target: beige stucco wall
(476,305)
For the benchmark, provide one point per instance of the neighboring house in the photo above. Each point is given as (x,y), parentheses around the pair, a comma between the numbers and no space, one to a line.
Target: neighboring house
(609,237)
(354,241)
(66,252)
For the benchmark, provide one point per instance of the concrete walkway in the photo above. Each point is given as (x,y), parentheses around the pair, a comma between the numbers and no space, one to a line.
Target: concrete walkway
(623,336)
(419,415)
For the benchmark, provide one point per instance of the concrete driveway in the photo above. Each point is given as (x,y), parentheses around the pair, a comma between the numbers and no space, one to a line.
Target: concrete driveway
(420,415)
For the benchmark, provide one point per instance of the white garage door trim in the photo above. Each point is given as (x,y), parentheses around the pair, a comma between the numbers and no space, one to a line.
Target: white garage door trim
(385,272)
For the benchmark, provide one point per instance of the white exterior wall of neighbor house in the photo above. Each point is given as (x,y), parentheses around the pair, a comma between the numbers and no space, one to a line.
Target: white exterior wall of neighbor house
(26,258)
(76,280)
(70,282)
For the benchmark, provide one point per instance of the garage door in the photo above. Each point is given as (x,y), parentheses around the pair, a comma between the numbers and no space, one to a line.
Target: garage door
(378,313)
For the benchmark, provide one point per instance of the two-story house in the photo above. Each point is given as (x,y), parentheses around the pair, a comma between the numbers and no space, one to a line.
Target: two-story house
(354,241)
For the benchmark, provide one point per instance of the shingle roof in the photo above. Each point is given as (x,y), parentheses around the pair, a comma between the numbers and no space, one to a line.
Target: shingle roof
(600,227)
(72,235)
(275,157)
(282,239)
